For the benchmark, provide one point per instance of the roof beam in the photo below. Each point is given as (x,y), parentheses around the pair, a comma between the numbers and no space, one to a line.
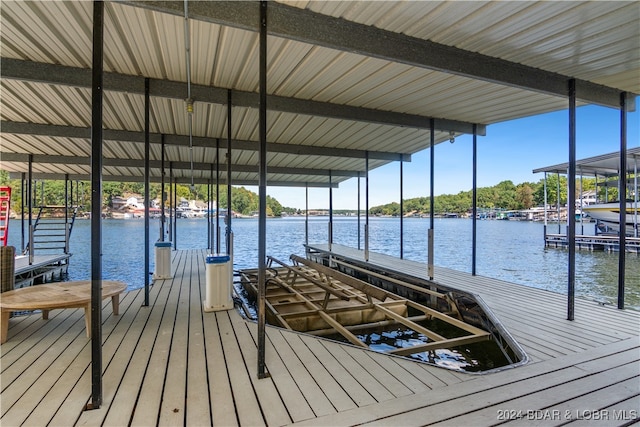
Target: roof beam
(80,77)
(180,180)
(23,128)
(336,33)
(156,164)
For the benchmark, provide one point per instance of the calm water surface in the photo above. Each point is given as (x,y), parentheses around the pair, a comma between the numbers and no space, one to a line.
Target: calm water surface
(509,250)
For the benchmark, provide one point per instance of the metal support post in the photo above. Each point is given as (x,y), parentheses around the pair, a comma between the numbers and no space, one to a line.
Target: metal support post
(474,219)
(306,213)
(262,190)
(147,184)
(401,211)
(622,195)
(430,254)
(330,239)
(217,195)
(228,234)
(162,192)
(571,205)
(359,246)
(366,206)
(96,206)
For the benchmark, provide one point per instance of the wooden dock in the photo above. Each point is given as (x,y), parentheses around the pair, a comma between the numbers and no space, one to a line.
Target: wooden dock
(43,269)
(173,364)
(594,243)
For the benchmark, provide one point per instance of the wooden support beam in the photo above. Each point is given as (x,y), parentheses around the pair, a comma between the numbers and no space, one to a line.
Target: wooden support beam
(409,324)
(453,342)
(365,287)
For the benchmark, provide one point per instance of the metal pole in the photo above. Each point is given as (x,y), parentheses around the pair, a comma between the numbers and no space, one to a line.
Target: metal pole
(430,254)
(581,197)
(545,208)
(217,195)
(213,232)
(306,213)
(262,190)
(23,202)
(147,184)
(558,203)
(66,213)
(635,197)
(172,212)
(162,192)
(96,207)
(208,215)
(622,193)
(366,206)
(359,211)
(330,211)
(474,221)
(175,215)
(228,235)
(571,205)
(30,209)
(401,211)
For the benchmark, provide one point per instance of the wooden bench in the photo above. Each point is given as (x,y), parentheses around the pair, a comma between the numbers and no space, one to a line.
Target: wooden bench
(54,296)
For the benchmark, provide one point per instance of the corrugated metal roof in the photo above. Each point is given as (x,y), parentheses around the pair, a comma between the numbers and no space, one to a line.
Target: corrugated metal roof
(605,165)
(595,41)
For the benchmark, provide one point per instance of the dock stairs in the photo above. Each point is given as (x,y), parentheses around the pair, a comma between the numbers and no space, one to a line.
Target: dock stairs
(52,229)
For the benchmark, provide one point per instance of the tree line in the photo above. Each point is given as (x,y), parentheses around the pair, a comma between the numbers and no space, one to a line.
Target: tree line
(52,193)
(504,195)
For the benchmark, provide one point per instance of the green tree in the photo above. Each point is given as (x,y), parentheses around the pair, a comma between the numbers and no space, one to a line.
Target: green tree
(552,190)
(524,196)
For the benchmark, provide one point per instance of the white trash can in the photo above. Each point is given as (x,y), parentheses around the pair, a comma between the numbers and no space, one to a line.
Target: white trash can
(162,260)
(219,282)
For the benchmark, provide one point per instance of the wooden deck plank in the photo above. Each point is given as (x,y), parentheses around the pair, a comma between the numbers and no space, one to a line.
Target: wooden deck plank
(365,375)
(292,397)
(268,395)
(339,399)
(314,395)
(367,360)
(121,345)
(150,394)
(79,392)
(246,403)
(220,392)
(123,404)
(197,402)
(349,384)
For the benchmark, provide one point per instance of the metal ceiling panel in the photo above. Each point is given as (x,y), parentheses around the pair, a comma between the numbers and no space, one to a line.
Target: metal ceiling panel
(595,41)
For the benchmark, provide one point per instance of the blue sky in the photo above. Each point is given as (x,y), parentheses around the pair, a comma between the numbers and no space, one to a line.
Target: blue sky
(510,151)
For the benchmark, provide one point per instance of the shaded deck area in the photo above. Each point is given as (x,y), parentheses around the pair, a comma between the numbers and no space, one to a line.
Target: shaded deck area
(173,364)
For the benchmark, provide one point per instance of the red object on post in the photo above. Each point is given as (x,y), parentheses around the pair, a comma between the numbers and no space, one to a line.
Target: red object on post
(5,206)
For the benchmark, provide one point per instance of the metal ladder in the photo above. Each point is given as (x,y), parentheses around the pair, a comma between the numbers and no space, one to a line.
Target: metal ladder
(50,232)
(5,207)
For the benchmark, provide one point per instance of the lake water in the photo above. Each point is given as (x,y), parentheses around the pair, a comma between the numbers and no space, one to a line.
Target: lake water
(509,250)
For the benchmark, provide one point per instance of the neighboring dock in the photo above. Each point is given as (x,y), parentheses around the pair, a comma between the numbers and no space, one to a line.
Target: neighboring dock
(594,243)
(43,269)
(172,364)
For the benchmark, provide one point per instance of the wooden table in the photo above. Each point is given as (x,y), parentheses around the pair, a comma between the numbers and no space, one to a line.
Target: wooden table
(57,295)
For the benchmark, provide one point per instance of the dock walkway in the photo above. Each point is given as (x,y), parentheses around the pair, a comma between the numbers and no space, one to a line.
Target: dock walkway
(173,364)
